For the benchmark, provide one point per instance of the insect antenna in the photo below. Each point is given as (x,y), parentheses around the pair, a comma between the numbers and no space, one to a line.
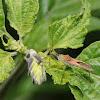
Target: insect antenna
(52,52)
(51,31)
(51,46)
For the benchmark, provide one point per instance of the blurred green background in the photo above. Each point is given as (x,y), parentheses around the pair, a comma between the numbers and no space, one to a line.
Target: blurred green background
(20,87)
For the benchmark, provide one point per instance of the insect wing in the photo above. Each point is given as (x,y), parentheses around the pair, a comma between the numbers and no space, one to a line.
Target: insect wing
(70,60)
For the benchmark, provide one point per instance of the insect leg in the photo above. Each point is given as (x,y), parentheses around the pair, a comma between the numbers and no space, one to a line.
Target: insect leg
(63,74)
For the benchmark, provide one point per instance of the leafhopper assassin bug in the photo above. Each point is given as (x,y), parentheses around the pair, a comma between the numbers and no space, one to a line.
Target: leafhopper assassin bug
(66,59)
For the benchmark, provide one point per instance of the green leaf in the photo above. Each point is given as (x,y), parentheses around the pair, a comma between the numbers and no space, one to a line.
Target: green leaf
(91,55)
(83,86)
(6,65)
(37,42)
(45,5)
(70,31)
(2,19)
(62,8)
(35,67)
(88,88)
(21,14)
(95,24)
(36,71)
(77,93)
(14,45)
(58,10)
(54,68)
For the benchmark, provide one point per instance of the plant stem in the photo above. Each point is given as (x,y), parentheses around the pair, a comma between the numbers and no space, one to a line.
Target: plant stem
(20,38)
(9,36)
(19,69)
(13,53)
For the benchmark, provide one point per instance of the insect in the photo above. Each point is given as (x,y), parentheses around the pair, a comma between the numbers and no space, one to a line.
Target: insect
(38,74)
(66,59)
